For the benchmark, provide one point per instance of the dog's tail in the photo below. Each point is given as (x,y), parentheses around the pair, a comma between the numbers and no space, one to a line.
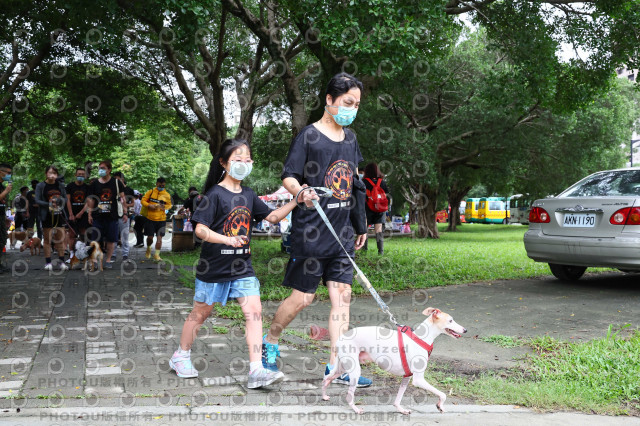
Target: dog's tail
(92,248)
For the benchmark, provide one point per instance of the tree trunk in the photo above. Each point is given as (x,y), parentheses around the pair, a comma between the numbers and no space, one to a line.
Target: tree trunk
(425,202)
(455,196)
(245,127)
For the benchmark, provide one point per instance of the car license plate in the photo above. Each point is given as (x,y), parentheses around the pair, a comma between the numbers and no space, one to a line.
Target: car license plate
(579,220)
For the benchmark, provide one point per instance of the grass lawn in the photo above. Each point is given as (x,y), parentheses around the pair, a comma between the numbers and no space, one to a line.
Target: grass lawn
(600,376)
(473,253)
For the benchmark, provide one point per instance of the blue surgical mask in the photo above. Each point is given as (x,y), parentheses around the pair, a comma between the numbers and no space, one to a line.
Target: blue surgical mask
(102,172)
(7,178)
(345,115)
(159,189)
(80,179)
(239,170)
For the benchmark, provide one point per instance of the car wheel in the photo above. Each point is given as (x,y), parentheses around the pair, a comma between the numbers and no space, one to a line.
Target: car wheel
(567,272)
(505,221)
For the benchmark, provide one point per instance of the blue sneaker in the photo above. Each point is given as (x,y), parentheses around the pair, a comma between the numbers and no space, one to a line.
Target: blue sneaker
(269,354)
(363,382)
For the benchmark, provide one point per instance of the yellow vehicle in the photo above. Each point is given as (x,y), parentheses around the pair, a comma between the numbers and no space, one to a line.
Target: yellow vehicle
(471,210)
(493,210)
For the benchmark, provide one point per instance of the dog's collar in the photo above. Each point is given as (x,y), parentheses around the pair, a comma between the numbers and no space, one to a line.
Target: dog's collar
(404,329)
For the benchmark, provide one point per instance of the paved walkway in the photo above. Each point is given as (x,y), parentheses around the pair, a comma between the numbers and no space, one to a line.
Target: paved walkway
(87,346)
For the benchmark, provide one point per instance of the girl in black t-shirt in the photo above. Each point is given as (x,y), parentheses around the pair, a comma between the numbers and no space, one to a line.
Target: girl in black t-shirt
(51,197)
(224,220)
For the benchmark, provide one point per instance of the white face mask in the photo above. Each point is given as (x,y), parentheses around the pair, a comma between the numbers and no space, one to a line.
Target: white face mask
(239,170)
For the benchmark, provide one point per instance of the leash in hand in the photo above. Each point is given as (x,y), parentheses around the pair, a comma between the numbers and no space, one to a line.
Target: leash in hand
(362,279)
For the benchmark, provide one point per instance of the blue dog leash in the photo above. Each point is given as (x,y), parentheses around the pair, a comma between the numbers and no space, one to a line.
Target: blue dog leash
(362,279)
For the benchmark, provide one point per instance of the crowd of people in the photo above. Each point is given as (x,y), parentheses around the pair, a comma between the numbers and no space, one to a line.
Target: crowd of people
(58,215)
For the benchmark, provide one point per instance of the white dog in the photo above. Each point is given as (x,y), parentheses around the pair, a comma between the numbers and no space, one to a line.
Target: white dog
(401,352)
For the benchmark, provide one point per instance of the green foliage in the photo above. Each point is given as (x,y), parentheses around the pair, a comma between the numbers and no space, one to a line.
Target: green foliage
(599,376)
(232,310)
(503,341)
(182,160)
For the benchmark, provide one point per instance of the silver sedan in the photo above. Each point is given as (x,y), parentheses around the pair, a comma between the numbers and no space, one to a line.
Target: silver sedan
(594,223)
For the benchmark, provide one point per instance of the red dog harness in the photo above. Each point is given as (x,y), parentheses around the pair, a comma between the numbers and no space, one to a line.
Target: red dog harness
(403,329)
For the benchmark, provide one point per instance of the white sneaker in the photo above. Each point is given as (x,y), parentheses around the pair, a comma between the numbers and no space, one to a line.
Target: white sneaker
(64,267)
(48,267)
(263,377)
(183,366)
(68,260)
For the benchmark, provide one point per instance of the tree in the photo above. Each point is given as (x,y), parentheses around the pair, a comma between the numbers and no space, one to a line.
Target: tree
(475,112)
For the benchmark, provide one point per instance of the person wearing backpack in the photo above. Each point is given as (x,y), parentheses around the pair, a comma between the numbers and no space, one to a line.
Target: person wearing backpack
(377,202)
(156,202)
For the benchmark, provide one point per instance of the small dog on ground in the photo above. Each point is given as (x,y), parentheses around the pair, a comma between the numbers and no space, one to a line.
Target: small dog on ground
(91,253)
(15,236)
(401,352)
(33,244)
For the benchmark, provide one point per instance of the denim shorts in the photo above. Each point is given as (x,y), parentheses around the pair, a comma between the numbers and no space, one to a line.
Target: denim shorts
(221,292)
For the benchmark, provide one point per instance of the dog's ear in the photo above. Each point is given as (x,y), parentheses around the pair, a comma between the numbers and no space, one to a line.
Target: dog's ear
(430,311)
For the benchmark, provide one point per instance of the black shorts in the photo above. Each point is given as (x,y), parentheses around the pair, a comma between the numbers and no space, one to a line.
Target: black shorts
(104,229)
(54,221)
(374,217)
(80,225)
(155,227)
(305,274)
(20,220)
(31,220)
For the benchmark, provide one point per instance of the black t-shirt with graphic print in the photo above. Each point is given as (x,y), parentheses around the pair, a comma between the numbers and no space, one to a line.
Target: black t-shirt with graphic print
(228,213)
(78,195)
(105,197)
(316,160)
(52,190)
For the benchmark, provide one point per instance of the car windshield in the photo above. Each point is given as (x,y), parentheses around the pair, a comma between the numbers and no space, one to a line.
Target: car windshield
(618,183)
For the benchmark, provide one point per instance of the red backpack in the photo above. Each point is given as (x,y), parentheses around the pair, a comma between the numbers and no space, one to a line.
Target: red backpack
(376,198)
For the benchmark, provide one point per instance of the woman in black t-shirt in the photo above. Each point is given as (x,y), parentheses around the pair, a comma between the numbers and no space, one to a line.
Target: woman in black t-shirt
(323,154)
(224,220)
(51,196)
